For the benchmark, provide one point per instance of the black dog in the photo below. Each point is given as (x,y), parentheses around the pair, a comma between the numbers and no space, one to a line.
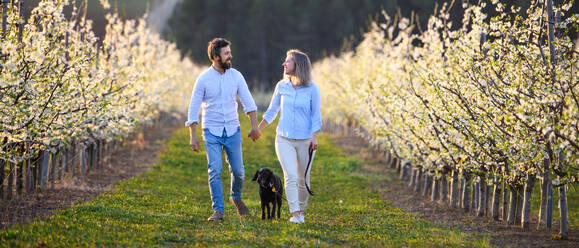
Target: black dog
(270,190)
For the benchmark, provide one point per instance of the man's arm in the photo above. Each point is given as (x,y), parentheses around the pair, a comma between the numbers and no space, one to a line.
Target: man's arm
(193,140)
(193,115)
(249,107)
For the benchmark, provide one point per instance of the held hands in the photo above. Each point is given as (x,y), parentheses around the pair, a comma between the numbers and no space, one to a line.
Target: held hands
(254,134)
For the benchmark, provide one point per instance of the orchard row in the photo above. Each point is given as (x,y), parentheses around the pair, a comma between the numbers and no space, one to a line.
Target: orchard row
(493,102)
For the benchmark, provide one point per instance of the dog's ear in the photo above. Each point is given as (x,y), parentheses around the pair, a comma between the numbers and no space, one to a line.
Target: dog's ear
(255,176)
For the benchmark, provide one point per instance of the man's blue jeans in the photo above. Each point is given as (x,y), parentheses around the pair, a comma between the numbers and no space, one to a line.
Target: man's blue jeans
(213,147)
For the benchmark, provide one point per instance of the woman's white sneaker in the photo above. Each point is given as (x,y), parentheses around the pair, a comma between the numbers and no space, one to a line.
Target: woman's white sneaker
(294,219)
(301,218)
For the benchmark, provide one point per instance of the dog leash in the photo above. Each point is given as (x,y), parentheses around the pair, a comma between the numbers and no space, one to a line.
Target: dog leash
(311,152)
(277,193)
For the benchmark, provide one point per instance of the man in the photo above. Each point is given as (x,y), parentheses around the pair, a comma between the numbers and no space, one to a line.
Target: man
(215,91)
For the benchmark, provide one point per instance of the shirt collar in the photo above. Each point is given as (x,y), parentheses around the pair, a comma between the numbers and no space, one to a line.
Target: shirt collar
(289,84)
(216,71)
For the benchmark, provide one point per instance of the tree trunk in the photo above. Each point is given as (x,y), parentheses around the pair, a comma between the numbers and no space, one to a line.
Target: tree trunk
(418,179)
(412,175)
(403,170)
(20,177)
(520,192)
(53,165)
(465,193)
(398,163)
(427,184)
(496,197)
(2,164)
(44,169)
(443,189)
(94,156)
(10,180)
(35,170)
(462,182)
(474,199)
(98,154)
(488,202)
(106,158)
(505,200)
(73,159)
(454,189)
(530,181)
(482,197)
(60,163)
(544,191)
(549,208)
(435,189)
(512,205)
(28,181)
(391,161)
(102,145)
(112,143)
(82,159)
(66,159)
(564,221)
(89,156)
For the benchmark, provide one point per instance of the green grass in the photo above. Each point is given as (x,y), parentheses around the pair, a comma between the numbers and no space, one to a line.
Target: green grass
(168,205)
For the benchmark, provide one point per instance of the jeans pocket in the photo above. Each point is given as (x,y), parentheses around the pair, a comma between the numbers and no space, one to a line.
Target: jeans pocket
(205,134)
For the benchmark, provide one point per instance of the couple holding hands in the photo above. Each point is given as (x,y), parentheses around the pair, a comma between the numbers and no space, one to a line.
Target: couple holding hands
(296,96)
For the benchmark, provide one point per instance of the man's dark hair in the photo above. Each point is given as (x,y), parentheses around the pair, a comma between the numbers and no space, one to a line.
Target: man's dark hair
(215,46)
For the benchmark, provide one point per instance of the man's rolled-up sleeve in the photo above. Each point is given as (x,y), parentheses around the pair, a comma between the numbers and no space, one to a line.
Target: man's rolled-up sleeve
(245,96)
(195,103)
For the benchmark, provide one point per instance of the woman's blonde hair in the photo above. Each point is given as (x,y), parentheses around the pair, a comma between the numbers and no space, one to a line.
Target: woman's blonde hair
(303,70)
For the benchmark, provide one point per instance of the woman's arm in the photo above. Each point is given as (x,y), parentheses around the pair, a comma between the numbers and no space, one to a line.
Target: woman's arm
(314,142)
(273,109)
(262,125)
(316,110)
(316,116)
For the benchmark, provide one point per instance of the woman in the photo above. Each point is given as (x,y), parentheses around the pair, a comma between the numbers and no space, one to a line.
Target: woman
(300,121)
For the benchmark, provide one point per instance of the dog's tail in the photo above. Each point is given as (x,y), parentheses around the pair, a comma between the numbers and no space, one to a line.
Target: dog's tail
(311,153)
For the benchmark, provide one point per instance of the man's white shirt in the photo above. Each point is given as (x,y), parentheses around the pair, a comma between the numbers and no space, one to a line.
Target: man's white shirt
(216,94)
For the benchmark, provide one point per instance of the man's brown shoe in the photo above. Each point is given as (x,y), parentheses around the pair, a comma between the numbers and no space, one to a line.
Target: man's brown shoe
(241,208)
(216,216)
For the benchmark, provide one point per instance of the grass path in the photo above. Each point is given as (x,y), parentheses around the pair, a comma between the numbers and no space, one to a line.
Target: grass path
(168,205)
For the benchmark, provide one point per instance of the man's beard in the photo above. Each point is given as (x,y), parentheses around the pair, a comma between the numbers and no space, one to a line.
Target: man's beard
(224,65)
